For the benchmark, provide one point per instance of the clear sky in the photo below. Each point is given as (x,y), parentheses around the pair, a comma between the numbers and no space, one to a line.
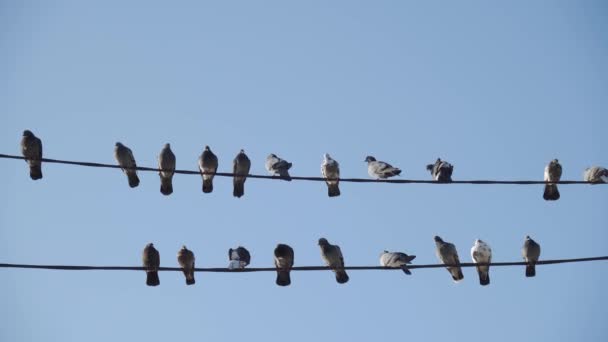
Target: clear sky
(497,88)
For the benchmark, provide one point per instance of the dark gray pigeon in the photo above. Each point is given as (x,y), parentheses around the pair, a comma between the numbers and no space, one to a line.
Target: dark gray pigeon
(166,167)
(151,262)
(125,159)
(283,261)
(207,164)
(441,171)
(278,167)
(553,173)
(379,169)
(596,174)
(185,259)
(240,169)
(447,254)
(396,259)
(481,253)
(330,169)
(31,149)
(332,255)
(531,253)
(239,258)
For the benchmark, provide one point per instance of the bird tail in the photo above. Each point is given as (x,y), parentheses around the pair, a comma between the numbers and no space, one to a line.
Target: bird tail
(484,278)
(133,179)
(166,186)
(152,278)
(283,278)
(341,276)
(333,190)
(457,274)
(239,187)
(284,174)
(207,185)
(189,277)
(530,270)
(551,192)
(36,171)
(406,270)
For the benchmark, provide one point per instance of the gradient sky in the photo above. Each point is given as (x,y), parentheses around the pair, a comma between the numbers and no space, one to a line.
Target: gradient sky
(497,88)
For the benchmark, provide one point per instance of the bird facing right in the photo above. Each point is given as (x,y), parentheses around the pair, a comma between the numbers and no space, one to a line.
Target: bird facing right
(278,167)
(596,175)
(396,259)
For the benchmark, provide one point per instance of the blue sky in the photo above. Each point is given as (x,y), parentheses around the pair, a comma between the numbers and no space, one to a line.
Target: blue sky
(497,88)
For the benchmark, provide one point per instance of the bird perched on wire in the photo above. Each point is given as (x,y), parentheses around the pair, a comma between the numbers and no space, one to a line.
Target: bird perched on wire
(553,173)
(278,167)
(379,169)
(447,254)
(330,169)
(151,263)
(396,259)
(240,168)
(441,171)
(283,261)
(239,258)
(596,174)
(185,259)
(125,159)
(481,253)
(332,255)
(31,149)
(207,164)
(166,167)
(531,253)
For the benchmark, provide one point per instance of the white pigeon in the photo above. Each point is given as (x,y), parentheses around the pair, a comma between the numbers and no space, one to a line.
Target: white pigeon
(482,253)
(396,259)
(330,169)
(596,174)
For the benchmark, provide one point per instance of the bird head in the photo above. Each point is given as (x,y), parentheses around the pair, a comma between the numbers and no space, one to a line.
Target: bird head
(369,159)
(207,148)
(28,133)
(438,239)
(326,156)
(118,144)
(167,145)
(323,242)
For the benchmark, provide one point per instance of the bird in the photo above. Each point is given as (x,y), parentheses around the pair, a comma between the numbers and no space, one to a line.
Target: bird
(185,259)
(447,254)
(330,169)
(166,169)
(240,169)
(278,167)
(596,174)
(481,253)
(396,259)
(125,159)
(332,255)
(379,169)
(151,262)
(31,148)
(441,171)
(531,253)
(553,173)
(283,261)
(239,258)
(207,164)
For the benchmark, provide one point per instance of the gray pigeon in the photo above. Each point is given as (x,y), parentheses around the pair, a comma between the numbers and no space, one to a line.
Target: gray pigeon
(125,159)
(207,164)
(553,173)
(596,174)
(239,258)
(185,259)
(31,148)
(379,169)
(441,171)
(283,261)
(332,255)
(531,253)
(481,253)
(240,169)
(166,167)
(447,254)
(151,262)
(330,169)
(278,167)
(396,259)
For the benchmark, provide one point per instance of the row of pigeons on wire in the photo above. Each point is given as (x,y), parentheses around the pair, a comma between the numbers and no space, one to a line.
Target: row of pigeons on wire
(446,252)
(441,171)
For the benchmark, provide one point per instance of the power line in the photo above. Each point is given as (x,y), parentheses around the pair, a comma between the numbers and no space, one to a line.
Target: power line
(318,179)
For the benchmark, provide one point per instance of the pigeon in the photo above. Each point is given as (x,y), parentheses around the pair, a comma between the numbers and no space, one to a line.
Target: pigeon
(185,259)
(482,253)
(125,159)
(332,255)
(278,167)
(446,252)
(151,262)
(166,167)
(379,169)
(207,164)
(553,172)
(596,174)
(240,169)
(396,259)
(330,169)
(441,171)
(31,148)
(530,252)
(239,258)
(283,261)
